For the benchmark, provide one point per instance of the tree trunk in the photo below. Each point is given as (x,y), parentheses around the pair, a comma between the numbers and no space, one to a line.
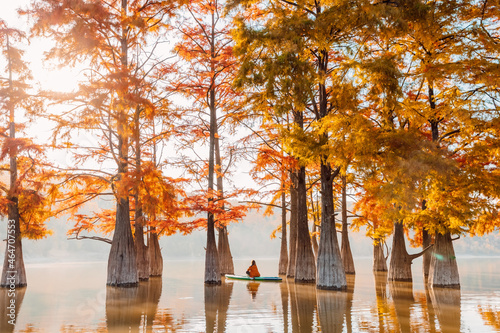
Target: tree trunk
(224,250)
(345,250)
(284,246)
(13,271)
(155,257)
(314,238)
(443,271)
(379,260)
(122,264)
(331,274)
(212,268)
(293,226)
(225,257)
(400,266)
(122,261)
(426,241)
(141,248)
(305,269)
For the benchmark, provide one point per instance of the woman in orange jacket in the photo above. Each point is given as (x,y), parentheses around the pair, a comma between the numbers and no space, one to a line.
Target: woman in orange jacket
(253,271)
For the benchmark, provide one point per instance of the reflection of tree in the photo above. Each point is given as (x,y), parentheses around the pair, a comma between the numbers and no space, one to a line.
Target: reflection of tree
(217,299)
(446,304)
(6,295)
(490,315)
(385,324)
(305,300)
(332,307)
(348,306)
(284,303)
(133,309)
(402,296)
(253,287)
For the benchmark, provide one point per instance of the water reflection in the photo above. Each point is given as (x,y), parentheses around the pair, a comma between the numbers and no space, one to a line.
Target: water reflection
(217,299)
(10,304)
(332,308)
(371,304)
(446,304)
(402,296)
(252,288)
(490,316)
(133,309)
(284,303)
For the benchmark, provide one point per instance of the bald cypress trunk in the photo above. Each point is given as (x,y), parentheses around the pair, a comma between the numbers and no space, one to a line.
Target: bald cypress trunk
(305,269)
(345,250)
(224,250)
(13,271)
(283,261)
(212,268)
(293,226)
(331,274)
(400,266)
(379,260)
(154,251)
(443,270)
(122,261)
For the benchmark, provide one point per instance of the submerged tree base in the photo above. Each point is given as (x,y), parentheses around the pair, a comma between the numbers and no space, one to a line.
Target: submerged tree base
(340,288)
(123,285)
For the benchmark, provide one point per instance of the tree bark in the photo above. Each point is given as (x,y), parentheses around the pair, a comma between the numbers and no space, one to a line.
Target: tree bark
(314,238)
(155,256)
(305,268)
(426,242)
(141,248)
(293,225)
(331,274)
(212,268)
(345,250)
(140,245)
(122,261)
(13,271)
(400,266)
(224,250)
(225,257)
(379,260)
(283,261)
(443,271)
(122,264)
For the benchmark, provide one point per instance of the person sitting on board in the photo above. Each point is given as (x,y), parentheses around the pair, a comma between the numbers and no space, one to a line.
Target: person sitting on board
(253,271)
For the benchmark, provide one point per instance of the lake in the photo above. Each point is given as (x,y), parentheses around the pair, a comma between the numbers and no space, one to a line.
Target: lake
(73,297)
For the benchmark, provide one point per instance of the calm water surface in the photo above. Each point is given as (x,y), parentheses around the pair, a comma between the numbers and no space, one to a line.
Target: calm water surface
(73,297)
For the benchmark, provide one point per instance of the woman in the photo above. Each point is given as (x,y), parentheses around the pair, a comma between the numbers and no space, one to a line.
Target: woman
(253,271)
